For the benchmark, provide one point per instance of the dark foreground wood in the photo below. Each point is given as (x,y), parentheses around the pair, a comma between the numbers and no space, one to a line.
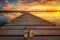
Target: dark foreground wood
(34,38)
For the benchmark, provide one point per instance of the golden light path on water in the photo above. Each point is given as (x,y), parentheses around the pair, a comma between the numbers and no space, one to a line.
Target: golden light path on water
(49,16)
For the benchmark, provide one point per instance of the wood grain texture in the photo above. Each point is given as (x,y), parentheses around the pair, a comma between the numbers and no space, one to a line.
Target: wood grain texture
(34,38)
(36,32)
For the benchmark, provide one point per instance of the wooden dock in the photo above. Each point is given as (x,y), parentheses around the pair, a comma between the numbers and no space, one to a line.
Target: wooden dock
(43,30)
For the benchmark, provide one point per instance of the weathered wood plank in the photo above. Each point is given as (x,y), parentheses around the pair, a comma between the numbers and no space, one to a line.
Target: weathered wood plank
(11,32)
(29,27)
(34,38)
(46,38)
(36,32)
(11,38)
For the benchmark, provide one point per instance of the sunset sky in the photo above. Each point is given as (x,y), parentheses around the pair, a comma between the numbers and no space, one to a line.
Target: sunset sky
(3,2)
(17,5)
